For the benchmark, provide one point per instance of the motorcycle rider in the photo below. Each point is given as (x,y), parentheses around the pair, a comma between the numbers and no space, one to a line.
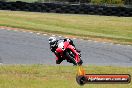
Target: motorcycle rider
(54,45)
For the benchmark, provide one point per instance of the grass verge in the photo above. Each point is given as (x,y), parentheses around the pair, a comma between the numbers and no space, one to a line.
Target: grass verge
(44,76)
(104,28)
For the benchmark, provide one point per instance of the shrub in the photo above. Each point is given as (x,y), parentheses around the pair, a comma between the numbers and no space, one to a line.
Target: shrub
(107,1)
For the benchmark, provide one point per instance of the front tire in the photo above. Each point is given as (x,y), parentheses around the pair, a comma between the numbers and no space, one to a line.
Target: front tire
(70,55)
(80,63)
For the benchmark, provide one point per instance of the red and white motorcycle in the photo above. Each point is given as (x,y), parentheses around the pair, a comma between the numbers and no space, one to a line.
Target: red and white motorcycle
(69,53)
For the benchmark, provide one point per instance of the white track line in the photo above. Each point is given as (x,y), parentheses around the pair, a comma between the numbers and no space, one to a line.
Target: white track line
(44,34)
(118,44)
(24,31)
(74,38)
(31,32)
(104,42)
(53,35)
(89,40)
(38,33)
(8,29)
(15,30)
(58,36)
(95,41)
(128,45)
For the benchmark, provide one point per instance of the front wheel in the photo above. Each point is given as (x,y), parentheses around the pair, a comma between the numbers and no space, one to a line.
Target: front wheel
(80,63)
(70,55)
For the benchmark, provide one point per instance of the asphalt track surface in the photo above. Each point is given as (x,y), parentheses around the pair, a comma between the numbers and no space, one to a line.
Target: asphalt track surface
(18,47)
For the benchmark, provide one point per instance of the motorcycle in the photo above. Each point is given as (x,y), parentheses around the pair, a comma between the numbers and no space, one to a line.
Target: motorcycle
(69,53)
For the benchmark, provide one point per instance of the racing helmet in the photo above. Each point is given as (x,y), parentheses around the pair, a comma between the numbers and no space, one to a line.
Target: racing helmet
(52,41)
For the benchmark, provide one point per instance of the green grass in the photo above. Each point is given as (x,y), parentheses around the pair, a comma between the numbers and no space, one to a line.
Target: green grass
(92,1)
(117,29)
(41,76)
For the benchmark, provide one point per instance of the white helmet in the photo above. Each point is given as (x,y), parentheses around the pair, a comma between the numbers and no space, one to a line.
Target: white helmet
(52,41)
